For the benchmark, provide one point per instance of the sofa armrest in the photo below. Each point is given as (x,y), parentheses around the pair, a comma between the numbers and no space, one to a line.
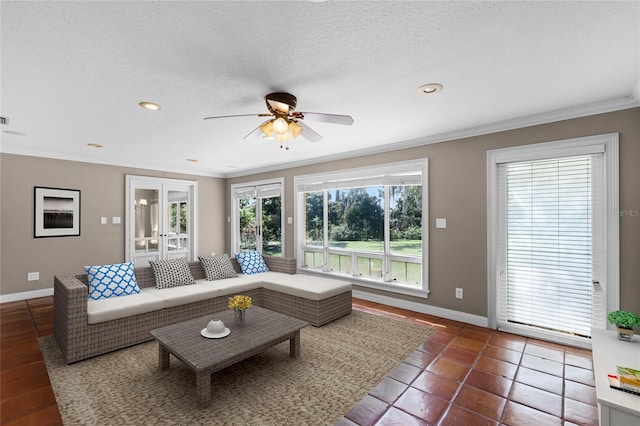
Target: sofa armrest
(70,296)
(285,265)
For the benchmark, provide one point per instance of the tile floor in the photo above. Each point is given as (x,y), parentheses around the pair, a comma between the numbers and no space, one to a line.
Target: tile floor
(462,375)
(468,375)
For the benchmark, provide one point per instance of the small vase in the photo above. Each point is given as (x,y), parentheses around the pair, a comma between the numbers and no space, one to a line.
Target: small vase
(625,334)
(239,314)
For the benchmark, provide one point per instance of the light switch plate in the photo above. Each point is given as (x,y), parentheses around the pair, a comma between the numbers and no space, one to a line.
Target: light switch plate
(103,220)
(115,220)
(441,222)
(290,220)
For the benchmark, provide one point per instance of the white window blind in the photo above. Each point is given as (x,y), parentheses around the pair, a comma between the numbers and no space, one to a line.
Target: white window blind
(547,280)
(257,191)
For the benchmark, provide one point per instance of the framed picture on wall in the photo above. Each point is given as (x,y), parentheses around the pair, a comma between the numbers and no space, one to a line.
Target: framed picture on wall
(56,212)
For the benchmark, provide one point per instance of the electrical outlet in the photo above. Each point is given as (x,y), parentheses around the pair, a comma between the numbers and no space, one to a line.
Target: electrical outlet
(459,293)
(33,276)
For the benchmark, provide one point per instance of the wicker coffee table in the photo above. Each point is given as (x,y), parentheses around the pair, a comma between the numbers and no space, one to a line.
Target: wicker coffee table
(260,330)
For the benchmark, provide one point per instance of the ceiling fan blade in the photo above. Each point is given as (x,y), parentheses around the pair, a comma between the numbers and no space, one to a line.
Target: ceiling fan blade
(308,133)
(254,132)
(347,120)
(239,115)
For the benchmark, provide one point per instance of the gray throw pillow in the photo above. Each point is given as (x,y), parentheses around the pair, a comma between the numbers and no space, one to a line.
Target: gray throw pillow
(217,267)
(171,272)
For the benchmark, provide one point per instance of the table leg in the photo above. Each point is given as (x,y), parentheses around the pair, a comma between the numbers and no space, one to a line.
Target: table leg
(203,388)
(163,357)
(294,345)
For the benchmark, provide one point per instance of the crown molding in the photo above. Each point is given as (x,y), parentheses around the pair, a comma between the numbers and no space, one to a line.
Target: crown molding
(610,105)
(129,164)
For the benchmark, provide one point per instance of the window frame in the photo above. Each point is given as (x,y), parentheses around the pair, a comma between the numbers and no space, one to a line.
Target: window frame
(329,180)
(235,211)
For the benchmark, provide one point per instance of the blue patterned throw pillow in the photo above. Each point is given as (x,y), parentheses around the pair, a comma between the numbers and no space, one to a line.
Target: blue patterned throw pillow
(251,262)
(111,281)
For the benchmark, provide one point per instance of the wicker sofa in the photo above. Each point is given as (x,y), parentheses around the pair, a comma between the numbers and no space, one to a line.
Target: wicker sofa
(281,291)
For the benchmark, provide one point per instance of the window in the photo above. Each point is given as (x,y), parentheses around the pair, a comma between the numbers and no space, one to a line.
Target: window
(366,224)
(553,274)
(257,217)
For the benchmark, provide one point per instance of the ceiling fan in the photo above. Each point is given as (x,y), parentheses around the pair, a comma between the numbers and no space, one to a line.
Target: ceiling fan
(286,123)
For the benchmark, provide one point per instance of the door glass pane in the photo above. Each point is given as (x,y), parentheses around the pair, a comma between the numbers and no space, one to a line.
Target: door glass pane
(248,227)
(549,243)
(146,220)
(177,205)
(271,226)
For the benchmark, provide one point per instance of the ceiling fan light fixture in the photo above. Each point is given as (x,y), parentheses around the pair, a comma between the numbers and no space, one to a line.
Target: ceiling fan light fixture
(280,126)
(294,129)
(267,128)
(283,137)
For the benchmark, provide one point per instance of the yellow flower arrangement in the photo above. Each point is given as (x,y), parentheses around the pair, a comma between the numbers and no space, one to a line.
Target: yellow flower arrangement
(240,302)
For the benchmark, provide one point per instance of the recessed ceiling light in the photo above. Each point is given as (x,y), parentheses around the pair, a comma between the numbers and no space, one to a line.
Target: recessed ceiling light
(192,160)
(95,145)
(427,89)
(150,106)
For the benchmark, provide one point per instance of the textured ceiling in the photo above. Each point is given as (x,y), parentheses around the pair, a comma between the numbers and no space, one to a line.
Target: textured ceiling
(74,72)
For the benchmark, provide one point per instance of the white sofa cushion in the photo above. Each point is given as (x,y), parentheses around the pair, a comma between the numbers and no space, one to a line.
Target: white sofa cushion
(176,296)
(121,307)
(305,286)
(231,286)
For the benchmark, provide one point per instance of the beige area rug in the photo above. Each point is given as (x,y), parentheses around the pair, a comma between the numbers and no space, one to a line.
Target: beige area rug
(339,364)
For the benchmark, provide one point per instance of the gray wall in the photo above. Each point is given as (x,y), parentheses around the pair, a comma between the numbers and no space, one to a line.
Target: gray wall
(102,194)
(457,192)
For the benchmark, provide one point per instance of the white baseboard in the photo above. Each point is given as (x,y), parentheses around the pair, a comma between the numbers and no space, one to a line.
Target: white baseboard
(425,309)
(26,295)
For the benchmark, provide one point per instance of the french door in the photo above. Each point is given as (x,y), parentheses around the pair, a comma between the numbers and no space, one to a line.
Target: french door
(551,273)
(257,218)
(160,222)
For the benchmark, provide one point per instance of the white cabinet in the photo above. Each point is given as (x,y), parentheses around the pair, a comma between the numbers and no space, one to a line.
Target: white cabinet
(615,407)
